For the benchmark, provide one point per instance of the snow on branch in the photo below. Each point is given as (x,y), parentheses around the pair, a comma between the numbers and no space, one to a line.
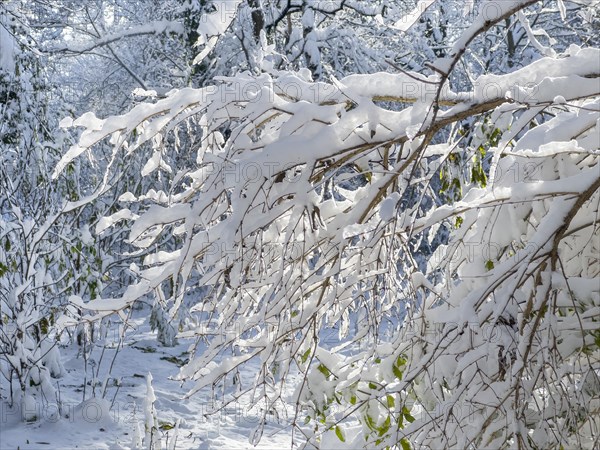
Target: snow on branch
(158,27)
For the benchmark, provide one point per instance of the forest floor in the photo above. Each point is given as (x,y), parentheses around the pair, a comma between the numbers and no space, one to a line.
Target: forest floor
(110,422)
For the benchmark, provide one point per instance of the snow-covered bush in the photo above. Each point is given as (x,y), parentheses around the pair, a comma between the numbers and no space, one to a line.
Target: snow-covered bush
(46,251)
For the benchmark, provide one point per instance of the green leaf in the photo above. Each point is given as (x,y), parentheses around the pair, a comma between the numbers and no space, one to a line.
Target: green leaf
(305,356)
(44,325)
(3,269)
(458,222)
(339,433)
(406,413)
(495,137)
(165,426)
(482,178)
(489,265)
(370,423)
(400,362)
(385,427)
(457,189)
(478,175)
(353,400)
(391,402)
(405,444)
(324,370)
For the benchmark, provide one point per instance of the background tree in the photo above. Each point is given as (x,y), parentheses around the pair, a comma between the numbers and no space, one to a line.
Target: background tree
(47,252)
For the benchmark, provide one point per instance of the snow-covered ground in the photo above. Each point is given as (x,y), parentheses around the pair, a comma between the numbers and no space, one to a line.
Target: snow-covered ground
(110,423)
